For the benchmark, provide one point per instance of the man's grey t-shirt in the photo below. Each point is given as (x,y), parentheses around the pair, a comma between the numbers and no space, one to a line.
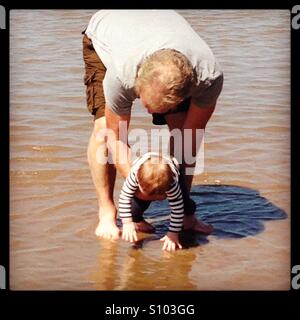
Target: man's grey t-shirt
(124,38)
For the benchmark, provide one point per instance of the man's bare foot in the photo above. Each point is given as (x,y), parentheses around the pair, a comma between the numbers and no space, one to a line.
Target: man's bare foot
(144,226)
(192,223)
(107,227)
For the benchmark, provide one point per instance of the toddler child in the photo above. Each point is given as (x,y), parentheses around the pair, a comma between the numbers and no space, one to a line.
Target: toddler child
(157,177)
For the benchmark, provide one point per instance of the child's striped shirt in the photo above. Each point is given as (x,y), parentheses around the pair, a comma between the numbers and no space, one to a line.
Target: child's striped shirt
(174,194)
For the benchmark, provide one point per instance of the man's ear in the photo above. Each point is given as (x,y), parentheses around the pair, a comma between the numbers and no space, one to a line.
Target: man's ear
(139,70)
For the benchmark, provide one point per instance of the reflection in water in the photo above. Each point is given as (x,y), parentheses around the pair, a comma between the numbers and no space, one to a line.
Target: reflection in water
(140,269)
(107,275)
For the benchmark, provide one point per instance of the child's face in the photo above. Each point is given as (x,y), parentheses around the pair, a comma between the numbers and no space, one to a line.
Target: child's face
(154,197)
(158,197)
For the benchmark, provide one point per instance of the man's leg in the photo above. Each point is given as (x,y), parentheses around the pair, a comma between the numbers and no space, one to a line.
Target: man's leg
(103,176)
(176,121)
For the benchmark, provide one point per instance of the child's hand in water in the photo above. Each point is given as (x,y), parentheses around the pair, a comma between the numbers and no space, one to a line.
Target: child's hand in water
(128,232)
(171,242)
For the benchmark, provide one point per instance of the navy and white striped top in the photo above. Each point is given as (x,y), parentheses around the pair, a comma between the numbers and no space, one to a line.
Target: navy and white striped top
(174,194)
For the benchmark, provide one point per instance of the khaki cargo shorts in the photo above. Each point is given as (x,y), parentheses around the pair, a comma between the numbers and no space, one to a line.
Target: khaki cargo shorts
(93,79)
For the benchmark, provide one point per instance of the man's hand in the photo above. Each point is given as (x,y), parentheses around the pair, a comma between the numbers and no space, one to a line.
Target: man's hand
(171,242)
(128,232)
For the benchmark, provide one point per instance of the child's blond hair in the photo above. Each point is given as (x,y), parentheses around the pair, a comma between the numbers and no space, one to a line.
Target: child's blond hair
(155,176)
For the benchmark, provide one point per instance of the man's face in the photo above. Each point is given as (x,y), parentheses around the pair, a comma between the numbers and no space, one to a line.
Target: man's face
(146,105)
(150,98)
(147,97)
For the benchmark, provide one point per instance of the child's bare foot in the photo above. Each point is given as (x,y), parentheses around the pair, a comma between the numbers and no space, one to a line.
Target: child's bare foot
(192,223)
(144,226)
(107,227)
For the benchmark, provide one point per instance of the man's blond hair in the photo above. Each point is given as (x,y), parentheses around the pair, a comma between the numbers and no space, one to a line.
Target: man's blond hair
(155,176)
(169,74)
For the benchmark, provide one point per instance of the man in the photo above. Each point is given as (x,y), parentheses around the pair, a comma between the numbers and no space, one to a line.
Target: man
(156,56)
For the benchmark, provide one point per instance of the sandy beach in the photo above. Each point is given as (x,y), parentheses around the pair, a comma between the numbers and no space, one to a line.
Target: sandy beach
(244,190)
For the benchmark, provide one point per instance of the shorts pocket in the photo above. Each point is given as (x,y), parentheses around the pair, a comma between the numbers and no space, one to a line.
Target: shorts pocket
(89,81)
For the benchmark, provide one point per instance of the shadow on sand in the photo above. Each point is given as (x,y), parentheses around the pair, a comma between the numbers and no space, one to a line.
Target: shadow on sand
(234,212)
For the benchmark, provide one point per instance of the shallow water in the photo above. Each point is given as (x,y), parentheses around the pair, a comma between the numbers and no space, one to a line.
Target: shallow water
(244,189)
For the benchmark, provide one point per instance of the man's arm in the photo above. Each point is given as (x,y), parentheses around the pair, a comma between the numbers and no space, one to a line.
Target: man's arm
(118,145)
(117,142)
(198,116)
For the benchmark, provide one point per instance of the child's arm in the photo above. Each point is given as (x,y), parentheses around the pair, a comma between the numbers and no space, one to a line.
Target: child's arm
(128,190)
(128,231)
(171,240)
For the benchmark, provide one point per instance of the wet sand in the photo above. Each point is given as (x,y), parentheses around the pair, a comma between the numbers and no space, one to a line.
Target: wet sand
(244,190)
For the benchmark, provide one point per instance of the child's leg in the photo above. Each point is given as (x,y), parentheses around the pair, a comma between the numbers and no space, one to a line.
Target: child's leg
(138,207)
